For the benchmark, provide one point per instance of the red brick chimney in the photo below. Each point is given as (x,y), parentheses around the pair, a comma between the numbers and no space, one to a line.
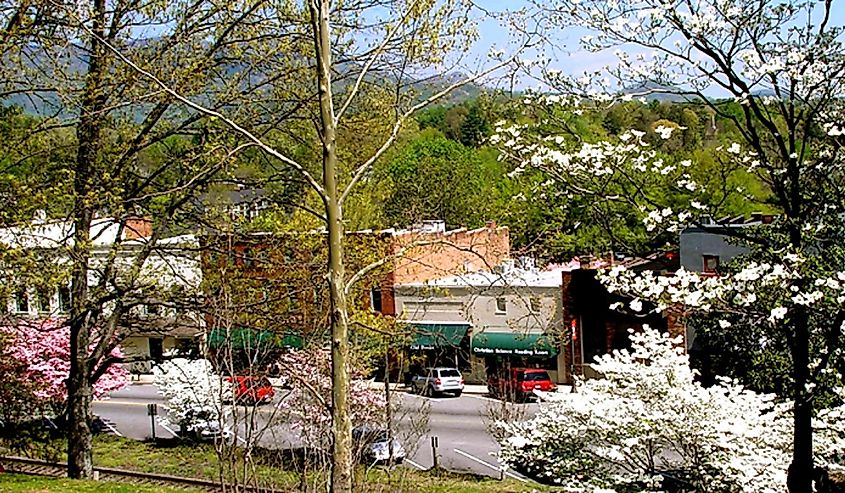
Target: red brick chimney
(137,227)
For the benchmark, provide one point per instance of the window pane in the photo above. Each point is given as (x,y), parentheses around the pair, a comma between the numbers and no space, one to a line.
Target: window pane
(501,305)
(22,302)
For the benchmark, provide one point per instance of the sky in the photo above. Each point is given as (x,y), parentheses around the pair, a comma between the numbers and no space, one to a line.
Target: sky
(565,53)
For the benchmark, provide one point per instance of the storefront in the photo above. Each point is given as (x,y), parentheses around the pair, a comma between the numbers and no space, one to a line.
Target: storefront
(439,344)
(501,350)
(241,348)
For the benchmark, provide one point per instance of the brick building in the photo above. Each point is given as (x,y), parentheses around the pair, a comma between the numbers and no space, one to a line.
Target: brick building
(275,283)
(597,328)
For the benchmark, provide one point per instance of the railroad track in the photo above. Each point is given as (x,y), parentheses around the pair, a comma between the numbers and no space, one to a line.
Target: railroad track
(25,465)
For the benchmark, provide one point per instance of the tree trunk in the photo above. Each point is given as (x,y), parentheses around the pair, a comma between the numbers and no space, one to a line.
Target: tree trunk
(80,461)
(89,129)
(341,475)
(800,476)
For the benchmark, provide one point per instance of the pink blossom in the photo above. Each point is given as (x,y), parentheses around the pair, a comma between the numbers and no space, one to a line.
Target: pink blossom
(44,347)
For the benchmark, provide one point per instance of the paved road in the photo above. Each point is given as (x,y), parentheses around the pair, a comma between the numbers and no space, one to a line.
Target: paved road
(460,425)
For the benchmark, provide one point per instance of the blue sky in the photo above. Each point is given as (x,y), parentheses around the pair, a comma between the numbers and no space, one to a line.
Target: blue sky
(566,52)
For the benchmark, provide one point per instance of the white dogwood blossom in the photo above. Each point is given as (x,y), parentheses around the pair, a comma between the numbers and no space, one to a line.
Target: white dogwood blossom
(648,417)
(192,390)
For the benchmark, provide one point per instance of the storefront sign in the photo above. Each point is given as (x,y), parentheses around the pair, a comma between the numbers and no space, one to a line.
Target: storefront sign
(512,352)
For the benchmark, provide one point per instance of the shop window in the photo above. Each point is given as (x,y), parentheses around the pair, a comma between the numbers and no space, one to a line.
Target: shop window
(21,302)
(64,299)
(711,263)
(501,305)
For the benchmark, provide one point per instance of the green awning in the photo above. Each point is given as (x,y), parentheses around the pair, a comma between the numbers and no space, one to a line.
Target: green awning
(430,336)
(513,344)
(242,338)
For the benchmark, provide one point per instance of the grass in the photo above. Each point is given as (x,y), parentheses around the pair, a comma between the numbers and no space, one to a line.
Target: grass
(201,461)
(19,483)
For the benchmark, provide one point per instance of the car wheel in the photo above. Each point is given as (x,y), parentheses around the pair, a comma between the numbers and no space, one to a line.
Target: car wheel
(429,391)
(458,393)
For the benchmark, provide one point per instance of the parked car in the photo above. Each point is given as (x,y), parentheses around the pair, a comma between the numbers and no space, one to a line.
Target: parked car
(437,381)
(372,445)
(251,390)
(519,384)
(202,426)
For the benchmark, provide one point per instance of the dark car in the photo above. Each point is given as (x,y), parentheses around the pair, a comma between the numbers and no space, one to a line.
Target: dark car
(251,390)
(519,384)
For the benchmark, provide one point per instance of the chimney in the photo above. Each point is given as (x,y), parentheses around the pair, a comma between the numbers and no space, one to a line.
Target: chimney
(137,227)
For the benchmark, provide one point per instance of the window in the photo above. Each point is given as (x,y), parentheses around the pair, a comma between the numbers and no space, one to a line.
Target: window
(711,263)
(501,305)
(249,257)
(21,302)
(64,299)
(152,309)
(535,304)
(375,300)
(44,301)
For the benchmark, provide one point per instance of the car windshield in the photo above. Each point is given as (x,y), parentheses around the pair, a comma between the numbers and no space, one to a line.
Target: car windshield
(535,376)
(450,373)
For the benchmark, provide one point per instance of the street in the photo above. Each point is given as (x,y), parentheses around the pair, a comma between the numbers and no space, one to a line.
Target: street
(459,425)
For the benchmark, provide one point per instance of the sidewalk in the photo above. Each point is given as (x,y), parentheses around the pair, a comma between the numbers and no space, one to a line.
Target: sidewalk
(468,389)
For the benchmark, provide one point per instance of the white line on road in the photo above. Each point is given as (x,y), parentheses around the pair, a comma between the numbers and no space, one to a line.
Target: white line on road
(169,430)
(483,398)
(491,466)
(112,428)
(409,461)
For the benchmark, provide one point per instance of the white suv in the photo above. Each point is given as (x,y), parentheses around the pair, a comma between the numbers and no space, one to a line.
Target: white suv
(438,380)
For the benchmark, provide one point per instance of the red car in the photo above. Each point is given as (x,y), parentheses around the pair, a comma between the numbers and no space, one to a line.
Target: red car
(251,390)
(519,383)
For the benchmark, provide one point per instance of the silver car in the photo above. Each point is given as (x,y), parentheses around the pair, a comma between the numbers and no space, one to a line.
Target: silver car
(438,380)
(375,447)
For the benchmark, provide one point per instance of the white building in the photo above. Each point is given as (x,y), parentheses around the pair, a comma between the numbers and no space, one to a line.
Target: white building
(36,279)
(482,321)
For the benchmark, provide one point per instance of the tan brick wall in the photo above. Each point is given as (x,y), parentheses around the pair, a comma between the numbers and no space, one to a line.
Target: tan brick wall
(453,252)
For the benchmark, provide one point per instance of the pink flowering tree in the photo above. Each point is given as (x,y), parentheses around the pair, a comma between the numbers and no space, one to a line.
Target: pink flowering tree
(308,372)
(43,349)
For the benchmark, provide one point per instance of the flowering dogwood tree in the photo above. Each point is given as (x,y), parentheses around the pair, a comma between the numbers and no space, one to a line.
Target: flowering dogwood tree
(780,67)
(43,347)
(648,423)
(308,372)
(192,390)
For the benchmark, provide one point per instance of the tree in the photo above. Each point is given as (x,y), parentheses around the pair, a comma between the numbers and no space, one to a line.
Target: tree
(43,348)
(193,392)
(782,65)
(649,424)
(130,149)
(356,41)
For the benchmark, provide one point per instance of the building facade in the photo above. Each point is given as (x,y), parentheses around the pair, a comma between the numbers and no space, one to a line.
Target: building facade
(484,321)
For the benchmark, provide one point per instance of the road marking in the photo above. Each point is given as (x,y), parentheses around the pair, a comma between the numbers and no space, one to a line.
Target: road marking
(421,468)
(112,428)
(483,398)
(118,402)
(491,466)
(158,422)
